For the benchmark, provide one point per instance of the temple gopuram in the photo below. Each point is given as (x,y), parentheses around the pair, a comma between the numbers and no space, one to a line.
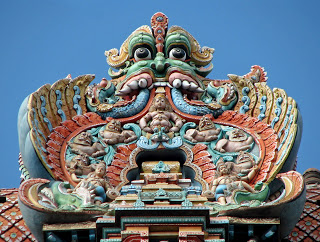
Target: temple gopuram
(159,152)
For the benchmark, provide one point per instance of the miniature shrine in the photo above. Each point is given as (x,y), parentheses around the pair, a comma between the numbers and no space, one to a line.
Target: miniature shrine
(160,152)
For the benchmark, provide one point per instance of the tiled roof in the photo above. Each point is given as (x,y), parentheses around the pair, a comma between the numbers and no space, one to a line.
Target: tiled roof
(12,226)
(308,227)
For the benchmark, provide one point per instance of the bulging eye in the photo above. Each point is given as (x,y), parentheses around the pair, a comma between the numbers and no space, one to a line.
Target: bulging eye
(142,53)
(177,54)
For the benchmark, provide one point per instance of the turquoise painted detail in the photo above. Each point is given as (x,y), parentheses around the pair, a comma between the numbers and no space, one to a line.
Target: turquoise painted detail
(171,196)
(134,127)
(76,99)
(161,220)
(286,120)
(245,99)
(277,111)
(263,108)
(139,202)
(286,133)
(262,194)
(146,144)
(159,137)
(215,94)
(161,193)
(183,106)
(59,106)
(35,124)
(285,151)
(44,113)
(109,149)
(186,203)
(131,109)
(110,155)
(161,167)
(174,143)
(184,128)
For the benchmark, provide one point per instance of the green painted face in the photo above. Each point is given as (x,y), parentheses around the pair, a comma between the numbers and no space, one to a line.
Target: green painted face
(148,68)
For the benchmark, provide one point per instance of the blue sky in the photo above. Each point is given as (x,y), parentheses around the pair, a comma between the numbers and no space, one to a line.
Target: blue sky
(44,41)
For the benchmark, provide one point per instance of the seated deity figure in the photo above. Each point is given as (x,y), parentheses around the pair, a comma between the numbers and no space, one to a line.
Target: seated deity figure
(161,115)
(207,131)
(97,180)
(113,133)
(226,175)
(83,144)
(237,141)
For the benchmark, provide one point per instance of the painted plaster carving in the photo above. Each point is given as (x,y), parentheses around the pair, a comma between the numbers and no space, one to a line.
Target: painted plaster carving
(227,177)
(82,144)
(78,166)
(207,131)
(160,114)
(95,182)
(237,141)
(205,142)
(113,133)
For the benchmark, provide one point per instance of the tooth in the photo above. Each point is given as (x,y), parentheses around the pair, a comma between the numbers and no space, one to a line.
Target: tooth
(150,87)
(133,85)
(143,83)
(125,89)
(163,84)
(185,84)
(192,86)
(157,84)
(199,90)
(168,84)
(176,83)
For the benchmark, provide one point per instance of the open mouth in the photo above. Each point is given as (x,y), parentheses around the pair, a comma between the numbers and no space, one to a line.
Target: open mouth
(185,83)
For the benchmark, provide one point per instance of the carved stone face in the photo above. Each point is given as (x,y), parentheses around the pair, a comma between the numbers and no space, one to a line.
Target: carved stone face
(244,157)
(160,103)
(84,138)
(81,160)
(205,123)
(100,170)
(237,135)
(114,126)
(224,170)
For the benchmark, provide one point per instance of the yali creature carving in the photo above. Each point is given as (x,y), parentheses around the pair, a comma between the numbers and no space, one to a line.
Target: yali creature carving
(232,142)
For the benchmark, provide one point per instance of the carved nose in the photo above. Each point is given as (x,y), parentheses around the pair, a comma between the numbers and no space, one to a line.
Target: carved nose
(159,63)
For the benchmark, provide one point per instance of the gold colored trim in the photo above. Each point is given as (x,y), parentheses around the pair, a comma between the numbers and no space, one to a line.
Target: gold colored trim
(201,56)
(117,59)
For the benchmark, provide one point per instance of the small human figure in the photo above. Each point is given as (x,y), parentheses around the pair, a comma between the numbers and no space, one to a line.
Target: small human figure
(237,141)
(83,144)
(207,131)
(113,133)
(161,115)
(227,176)
(97,179)
(245,164)
(79,165)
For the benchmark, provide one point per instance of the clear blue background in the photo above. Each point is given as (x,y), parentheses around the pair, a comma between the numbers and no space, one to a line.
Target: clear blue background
(43,41)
